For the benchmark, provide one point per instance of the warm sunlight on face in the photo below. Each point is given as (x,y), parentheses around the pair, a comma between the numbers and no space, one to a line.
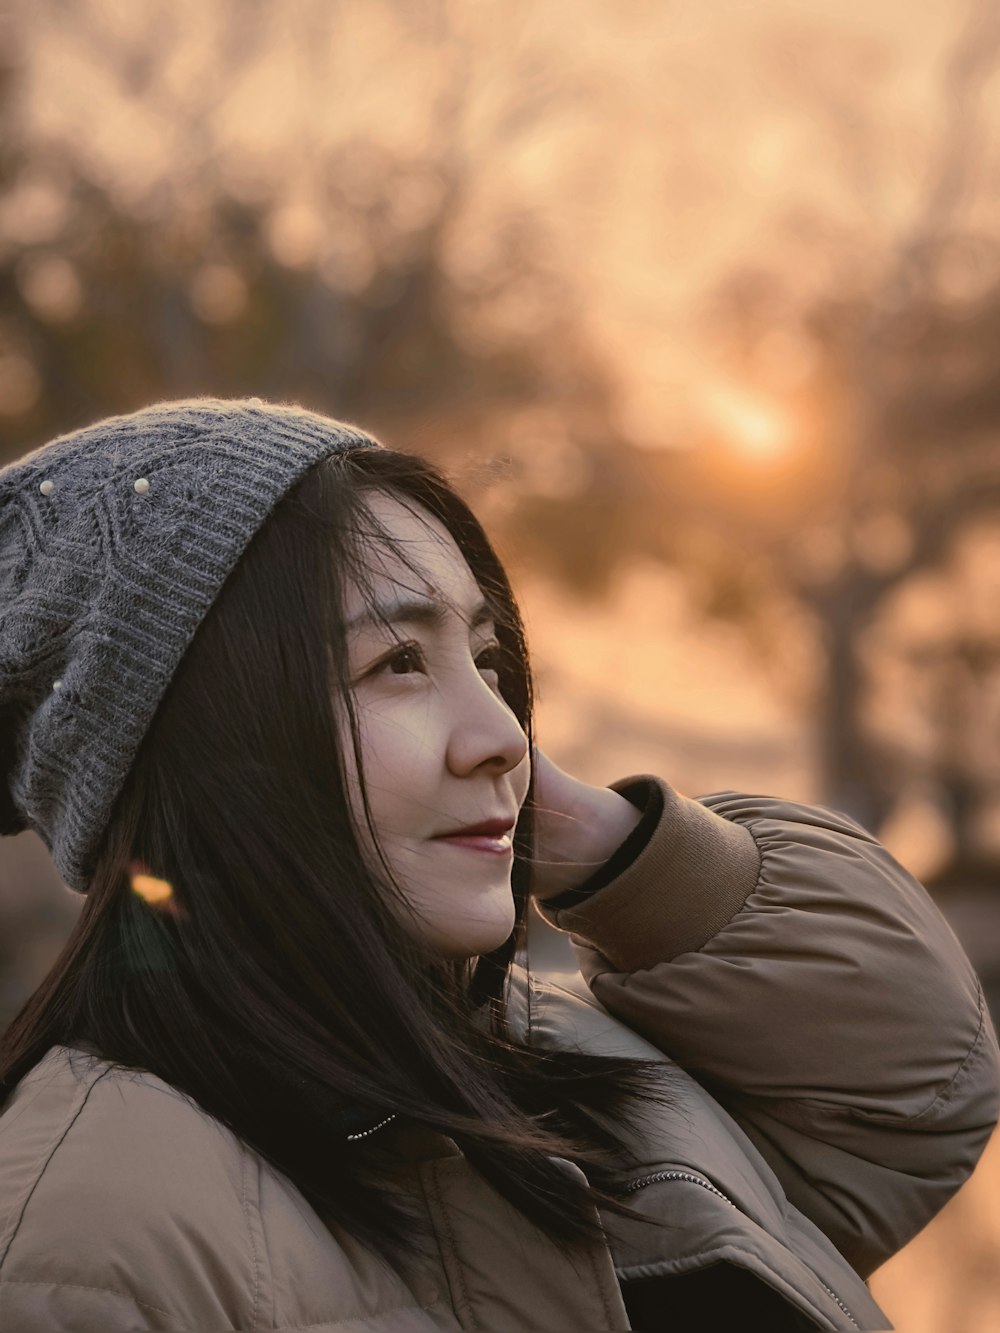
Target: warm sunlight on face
(441,750)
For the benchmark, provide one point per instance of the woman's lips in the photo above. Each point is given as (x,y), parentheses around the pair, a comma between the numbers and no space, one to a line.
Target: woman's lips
(496,844)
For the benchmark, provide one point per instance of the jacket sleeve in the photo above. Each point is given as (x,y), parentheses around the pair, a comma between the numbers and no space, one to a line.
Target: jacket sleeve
(783,957)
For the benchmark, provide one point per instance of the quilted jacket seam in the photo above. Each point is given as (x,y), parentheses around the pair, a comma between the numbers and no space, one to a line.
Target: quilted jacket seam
(340,1320)
(962,1071)
(253,1244)
(445,1222)
(764,849)
(51,1152)
(104,1291)
(838,1110)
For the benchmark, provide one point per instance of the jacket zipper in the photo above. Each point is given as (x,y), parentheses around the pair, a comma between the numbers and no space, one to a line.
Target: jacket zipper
(707,1184)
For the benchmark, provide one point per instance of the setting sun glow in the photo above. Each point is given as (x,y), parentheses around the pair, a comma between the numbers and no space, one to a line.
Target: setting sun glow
(748,424)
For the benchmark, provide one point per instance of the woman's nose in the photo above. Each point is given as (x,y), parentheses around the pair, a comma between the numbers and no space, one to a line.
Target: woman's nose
(483,731)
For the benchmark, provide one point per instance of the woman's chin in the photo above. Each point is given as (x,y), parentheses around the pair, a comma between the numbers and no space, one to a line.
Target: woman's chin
(469,937)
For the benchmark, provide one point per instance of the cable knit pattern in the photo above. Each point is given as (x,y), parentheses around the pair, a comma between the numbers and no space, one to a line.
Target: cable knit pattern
(114,542)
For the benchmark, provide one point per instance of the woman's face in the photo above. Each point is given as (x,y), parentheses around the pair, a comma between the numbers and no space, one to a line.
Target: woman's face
(440,749)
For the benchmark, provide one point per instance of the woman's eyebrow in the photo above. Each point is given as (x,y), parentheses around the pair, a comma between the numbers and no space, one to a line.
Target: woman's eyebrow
(418,611)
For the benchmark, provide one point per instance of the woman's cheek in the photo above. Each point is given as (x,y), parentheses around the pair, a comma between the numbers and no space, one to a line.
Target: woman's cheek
(398,748)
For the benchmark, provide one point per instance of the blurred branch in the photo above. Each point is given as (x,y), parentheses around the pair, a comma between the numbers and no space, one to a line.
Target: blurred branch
(972,62)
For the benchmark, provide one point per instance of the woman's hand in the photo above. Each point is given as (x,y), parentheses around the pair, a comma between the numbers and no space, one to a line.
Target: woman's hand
(577,827)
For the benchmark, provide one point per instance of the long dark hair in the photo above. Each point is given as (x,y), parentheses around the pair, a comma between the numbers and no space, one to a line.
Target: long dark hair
(271,978)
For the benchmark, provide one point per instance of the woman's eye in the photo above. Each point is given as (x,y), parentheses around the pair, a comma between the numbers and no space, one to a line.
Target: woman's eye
(489,658)
(406,659)
(409,658)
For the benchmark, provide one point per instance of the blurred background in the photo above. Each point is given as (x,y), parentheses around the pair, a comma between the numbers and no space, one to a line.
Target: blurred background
(699,305)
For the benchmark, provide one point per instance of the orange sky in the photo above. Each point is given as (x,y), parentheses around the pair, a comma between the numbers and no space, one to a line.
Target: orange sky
(658,144)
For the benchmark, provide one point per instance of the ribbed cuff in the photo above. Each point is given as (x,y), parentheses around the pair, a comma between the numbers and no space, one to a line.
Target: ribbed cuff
(694,874)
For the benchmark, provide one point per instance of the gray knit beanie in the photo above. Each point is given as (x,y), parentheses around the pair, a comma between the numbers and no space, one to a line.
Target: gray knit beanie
(114,542)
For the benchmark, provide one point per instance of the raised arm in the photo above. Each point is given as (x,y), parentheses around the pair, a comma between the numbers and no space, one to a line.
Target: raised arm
(780,954)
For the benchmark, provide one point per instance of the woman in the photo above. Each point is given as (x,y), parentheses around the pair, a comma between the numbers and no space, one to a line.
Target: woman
(264,694)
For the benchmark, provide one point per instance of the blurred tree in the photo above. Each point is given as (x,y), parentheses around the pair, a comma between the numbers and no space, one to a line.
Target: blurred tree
(896,455)
(373,294)
(363,247)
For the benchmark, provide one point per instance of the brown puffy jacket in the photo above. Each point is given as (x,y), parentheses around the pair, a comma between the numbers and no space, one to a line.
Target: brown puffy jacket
(832,1073)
